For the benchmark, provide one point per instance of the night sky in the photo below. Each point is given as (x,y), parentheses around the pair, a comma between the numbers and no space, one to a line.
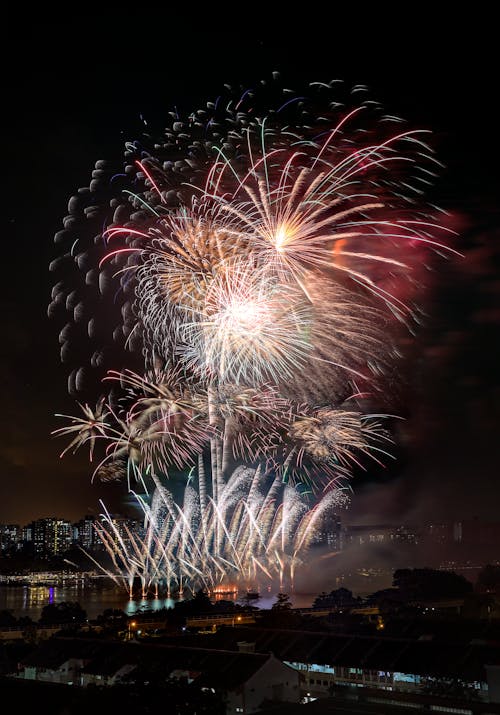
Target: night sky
(72,91)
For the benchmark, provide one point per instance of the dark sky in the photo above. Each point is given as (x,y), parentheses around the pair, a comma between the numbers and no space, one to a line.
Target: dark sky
(69,88)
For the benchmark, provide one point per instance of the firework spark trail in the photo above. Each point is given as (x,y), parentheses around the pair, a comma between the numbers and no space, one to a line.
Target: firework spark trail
(265,261)
(264,539)
(291,440)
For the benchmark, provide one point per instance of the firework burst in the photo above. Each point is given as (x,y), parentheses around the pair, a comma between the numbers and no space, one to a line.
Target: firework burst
(260,263)
(308,185)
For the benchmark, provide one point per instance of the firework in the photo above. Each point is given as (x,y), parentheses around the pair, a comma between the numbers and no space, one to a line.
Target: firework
(259,265)
(162,424)
(321,195)
(252,536)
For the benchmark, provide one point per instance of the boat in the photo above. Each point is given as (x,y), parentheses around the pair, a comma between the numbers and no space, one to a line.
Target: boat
(226,590)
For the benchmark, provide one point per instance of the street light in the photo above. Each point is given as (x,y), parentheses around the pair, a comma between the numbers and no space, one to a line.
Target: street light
(132,624)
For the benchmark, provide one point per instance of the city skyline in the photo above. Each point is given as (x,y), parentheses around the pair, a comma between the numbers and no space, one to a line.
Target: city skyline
(447,443)
(339,522)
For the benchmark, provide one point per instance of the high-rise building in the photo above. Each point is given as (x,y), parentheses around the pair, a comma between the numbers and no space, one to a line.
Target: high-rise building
(405,534)
(439,532)
(476,532)
(52,536)
(85,534)
(370,534)
(331,535)
(10,537)
(117,533)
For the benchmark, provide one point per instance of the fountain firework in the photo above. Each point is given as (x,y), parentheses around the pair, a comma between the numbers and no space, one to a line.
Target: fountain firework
(251,535)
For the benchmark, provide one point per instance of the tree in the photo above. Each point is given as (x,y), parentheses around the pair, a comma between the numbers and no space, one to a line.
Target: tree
(280,615)
(197,606)
(479,605)
(201,602)
(340,598)
(415,584)
(7,620)
(386,598)
(63,613)
(224,606)
(249,600)
(488,580)
(282,603)
(112,618)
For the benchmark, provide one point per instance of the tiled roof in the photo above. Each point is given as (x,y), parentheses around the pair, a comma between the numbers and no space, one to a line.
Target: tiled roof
(217,667)
(216,655)
(108,662)
(53,653)
(405,655)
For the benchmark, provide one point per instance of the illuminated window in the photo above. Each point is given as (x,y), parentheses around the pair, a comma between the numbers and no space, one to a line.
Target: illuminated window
(315,667)
(406,678)
(312,667)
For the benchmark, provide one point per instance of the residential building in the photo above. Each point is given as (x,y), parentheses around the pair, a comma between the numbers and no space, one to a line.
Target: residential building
(52,536)
(10,537)
(245,680)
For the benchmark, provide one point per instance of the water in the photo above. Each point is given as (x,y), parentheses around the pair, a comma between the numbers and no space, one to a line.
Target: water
(94,599)
(30,600)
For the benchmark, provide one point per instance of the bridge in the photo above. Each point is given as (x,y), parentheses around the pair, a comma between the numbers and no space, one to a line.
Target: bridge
(236,619)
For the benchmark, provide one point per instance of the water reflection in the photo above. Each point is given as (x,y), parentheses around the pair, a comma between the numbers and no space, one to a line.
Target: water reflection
(148,604)
(98,597)
(30,600)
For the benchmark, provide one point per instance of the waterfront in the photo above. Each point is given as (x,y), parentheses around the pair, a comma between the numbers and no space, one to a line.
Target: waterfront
(30,600)
(95,596)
